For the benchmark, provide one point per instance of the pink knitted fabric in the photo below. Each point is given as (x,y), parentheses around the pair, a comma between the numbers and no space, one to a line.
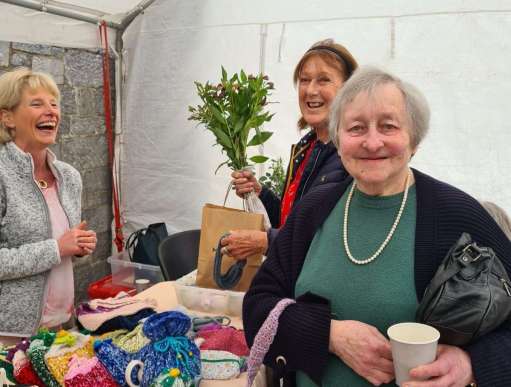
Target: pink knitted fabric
(94,313)
(85,372)
(224,339)
(264,338)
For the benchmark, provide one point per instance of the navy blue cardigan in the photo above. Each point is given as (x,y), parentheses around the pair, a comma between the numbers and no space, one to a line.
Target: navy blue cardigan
(324,166)
(443,213)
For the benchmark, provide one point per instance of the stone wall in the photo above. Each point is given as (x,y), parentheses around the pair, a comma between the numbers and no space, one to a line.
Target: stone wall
(81,141)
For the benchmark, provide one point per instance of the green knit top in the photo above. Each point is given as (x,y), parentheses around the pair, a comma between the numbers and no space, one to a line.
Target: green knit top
(380,293)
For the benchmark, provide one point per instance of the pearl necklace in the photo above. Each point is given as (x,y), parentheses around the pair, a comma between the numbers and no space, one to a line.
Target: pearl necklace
(389,235)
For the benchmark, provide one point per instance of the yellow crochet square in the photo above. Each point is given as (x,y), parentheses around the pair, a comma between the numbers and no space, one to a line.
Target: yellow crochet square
(58,365)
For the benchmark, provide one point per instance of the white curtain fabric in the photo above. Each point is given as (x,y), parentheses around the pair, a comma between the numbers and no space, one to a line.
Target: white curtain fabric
(453,51)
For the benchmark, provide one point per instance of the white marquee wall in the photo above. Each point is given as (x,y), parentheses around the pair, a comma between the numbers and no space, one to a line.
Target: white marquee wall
(455,52)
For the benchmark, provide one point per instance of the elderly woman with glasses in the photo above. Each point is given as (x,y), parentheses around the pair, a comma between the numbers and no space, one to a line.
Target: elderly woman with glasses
(355,257)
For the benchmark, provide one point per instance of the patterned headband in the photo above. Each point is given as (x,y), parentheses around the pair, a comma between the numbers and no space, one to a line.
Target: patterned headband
(349,66)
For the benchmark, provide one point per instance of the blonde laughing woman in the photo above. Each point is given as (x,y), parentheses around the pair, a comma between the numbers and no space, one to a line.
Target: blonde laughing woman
(40,210)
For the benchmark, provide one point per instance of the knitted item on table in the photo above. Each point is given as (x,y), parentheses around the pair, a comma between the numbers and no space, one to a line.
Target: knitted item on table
(161,325)
(6,368)
(264,338)
(36,353)
(173,378)
(116,360)
(132,341)
(220,365)
(66,345)
(125,322)
(84,372)
(224,339)
(94,314)
(206,322)
(22,345)
(23,371)
(172,352)
(45,335)
(111,335)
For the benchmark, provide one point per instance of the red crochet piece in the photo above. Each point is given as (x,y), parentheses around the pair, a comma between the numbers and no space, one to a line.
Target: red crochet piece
(26,375)
(98,376)
(224,339)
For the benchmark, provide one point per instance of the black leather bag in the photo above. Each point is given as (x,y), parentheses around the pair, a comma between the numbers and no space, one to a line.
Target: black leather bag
(142,245)
(469,296)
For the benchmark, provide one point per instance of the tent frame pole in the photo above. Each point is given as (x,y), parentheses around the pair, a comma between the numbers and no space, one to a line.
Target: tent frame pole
(43,6)
(126,21)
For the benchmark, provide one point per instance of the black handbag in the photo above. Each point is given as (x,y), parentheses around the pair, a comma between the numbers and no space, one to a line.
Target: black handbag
(469,296)
(142,245)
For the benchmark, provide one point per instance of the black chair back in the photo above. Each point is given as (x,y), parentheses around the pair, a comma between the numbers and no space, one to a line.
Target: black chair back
(178,254)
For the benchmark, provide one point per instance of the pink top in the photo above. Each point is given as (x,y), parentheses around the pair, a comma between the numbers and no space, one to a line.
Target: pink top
(59,292)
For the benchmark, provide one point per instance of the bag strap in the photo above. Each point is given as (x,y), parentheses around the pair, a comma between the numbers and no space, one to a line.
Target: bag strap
(233,275)
(264,338)
(132,240)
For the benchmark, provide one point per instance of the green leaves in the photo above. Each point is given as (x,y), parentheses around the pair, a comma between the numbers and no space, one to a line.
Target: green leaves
(259,138)
(259,159)
(232,110)
(275,178)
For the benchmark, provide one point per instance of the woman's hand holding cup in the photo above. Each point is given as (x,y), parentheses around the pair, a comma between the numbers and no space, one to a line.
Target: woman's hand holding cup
(452,368)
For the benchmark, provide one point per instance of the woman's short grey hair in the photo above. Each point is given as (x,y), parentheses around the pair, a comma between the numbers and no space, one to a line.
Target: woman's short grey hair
(366,79)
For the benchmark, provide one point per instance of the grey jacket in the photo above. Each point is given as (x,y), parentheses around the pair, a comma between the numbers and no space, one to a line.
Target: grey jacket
(27,250)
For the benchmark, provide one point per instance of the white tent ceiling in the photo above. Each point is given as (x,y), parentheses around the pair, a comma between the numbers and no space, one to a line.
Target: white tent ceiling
(105,6)
(68,23)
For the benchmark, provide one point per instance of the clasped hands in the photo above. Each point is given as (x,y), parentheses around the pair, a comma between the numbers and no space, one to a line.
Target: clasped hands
(78,241)
(367,352)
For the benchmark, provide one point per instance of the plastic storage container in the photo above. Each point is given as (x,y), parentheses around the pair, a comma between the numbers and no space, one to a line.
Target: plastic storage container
(104,288)
(125,272)
(209,300)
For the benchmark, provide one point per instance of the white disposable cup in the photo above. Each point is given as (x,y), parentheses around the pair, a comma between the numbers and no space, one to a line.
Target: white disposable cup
(413,344)
(142,284)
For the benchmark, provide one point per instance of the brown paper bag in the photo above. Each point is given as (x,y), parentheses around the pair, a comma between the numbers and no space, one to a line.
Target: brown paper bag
(217,221)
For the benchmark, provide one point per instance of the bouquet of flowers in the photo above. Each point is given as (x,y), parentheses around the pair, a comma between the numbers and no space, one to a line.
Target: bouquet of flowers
(234,111)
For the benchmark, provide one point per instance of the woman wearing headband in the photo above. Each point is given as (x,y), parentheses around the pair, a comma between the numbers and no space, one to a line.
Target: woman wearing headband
(319,74)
